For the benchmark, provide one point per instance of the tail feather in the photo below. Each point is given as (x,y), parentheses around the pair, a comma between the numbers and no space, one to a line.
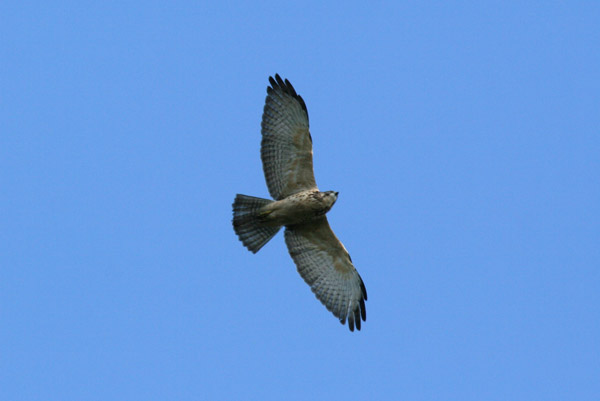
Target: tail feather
(247,224)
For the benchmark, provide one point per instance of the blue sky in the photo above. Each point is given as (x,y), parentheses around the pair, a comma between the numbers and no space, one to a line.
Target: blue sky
(463,139)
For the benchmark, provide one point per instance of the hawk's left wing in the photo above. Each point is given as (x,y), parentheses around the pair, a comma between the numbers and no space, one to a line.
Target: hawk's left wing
(286,147)
(325,265)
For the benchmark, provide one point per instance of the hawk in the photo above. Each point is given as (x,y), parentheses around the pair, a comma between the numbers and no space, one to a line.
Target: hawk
(320,257)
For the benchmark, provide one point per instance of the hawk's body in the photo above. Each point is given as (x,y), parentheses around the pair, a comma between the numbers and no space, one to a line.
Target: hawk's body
(302,207)
(321,259)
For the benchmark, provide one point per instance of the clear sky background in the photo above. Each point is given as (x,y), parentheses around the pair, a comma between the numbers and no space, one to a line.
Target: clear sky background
(463,139)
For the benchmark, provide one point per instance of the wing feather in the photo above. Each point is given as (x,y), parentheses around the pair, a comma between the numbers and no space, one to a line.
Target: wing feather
(325,266)
(286,147)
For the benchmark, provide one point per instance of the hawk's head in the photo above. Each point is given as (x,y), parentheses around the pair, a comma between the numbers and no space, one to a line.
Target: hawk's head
(329,197)
(324,201)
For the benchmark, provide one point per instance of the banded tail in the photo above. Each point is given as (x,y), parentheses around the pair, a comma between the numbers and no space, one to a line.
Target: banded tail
(247,222)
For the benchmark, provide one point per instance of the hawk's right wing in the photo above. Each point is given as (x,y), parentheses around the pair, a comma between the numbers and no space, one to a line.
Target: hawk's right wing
(286,147)
(325,265)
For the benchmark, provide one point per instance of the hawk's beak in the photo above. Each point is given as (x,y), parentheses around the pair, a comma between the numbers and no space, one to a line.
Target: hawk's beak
(336,194)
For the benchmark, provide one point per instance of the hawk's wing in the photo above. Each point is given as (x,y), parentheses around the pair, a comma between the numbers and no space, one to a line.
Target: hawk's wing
(286,148)
(325,265)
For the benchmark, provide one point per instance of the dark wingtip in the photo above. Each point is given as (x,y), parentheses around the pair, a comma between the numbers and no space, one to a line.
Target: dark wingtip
(285,86)
(363,288)
(363,310)
(272,82)
(357,318)
(280,81)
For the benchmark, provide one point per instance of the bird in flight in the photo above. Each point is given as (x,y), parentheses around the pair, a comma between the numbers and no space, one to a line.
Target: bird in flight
(300,207)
